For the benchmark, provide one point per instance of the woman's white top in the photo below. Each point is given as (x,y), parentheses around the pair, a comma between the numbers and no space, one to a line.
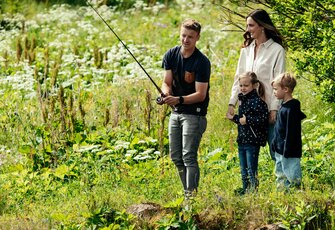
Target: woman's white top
(269,62)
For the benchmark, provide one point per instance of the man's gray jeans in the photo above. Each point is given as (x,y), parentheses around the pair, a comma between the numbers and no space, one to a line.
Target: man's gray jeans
(185,132)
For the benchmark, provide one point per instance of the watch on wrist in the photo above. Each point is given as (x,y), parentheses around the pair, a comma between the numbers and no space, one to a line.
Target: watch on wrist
(181,100)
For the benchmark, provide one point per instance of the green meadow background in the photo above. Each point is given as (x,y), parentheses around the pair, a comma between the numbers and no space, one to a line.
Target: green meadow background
(82,140)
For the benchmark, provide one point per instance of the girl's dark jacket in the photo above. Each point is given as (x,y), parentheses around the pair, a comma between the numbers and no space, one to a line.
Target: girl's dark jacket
(287,131)
(256,112)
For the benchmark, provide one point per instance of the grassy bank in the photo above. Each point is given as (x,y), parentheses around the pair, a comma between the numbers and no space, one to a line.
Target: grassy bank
(82,139)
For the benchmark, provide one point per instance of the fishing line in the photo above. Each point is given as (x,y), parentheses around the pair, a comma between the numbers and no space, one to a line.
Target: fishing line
(124,45)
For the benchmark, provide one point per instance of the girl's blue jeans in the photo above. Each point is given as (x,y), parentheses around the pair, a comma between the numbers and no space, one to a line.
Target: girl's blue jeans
(248,155)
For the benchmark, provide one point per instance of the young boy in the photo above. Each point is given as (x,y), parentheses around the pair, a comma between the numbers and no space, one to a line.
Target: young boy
(287,143)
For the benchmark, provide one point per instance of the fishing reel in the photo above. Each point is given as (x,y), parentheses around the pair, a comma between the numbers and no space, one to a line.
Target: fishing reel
(159,100)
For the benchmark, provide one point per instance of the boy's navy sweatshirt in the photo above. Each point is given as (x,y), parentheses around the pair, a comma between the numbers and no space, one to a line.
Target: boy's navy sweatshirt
(287,131)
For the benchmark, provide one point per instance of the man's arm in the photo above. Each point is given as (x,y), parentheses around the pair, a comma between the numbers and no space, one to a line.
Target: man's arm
(167,83)
(198,96)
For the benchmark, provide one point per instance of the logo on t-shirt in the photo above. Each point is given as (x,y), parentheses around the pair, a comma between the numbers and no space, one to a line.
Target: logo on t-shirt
(189,77)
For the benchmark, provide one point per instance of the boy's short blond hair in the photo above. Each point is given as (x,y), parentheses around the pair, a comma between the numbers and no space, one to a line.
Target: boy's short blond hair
(285,80)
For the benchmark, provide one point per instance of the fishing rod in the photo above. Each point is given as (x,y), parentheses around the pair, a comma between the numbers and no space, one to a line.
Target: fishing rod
(159,99)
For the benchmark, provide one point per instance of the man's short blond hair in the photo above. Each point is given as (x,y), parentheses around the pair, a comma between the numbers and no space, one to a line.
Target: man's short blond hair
(192,24)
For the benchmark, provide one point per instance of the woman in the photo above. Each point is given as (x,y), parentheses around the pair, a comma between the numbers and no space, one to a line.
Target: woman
(262,53)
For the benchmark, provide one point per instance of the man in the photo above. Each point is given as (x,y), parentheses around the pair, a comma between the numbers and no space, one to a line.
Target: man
(185,88)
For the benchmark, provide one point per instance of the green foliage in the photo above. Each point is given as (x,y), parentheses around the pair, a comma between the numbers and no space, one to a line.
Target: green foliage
(300,215)
(107,218)
(82,138)
(27,6)
(308,27)
(318,160)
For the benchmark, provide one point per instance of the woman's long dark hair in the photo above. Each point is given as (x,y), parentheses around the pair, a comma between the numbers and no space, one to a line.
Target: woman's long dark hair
(262,18)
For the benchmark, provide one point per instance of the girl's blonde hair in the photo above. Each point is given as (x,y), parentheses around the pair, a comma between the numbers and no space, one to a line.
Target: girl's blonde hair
(254,80)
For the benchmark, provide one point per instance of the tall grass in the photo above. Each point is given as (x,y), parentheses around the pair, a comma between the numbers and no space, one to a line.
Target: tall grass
(82,138)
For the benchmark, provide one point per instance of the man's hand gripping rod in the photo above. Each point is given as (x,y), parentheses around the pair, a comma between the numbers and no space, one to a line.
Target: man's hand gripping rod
(159,100)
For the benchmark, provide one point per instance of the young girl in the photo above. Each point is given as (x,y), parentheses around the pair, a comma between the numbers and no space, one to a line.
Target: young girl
(252,121)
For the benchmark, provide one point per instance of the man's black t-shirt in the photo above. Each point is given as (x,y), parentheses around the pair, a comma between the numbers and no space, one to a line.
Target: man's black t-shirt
(187,71)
